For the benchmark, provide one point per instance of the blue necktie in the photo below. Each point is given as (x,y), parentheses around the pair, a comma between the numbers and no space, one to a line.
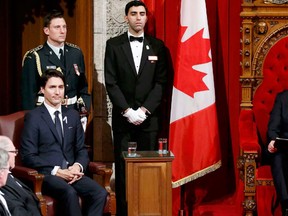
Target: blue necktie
(58,126)
(60,133)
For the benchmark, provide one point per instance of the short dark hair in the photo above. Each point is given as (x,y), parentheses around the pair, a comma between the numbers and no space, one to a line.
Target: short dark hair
(135,3)
(52,15)
(48,74)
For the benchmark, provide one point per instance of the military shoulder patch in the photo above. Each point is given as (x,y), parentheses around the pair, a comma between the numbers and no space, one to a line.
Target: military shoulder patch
(72,45)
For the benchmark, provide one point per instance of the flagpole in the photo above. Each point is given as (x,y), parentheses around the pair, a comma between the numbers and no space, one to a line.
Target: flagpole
(182,193)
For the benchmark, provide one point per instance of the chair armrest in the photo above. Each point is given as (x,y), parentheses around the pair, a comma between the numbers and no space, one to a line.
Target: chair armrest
(248,132)
(98,168)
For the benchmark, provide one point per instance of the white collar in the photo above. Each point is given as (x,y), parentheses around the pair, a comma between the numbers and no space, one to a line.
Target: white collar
(52,110)
(55,49)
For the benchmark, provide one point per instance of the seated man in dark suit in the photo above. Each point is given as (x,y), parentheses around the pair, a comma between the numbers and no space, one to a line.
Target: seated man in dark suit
(4,170)
(53,143)
(20,199)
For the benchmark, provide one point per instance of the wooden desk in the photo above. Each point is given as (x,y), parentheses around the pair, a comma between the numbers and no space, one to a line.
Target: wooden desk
(148,184)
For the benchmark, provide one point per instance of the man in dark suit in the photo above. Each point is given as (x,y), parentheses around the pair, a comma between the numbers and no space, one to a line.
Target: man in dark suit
(53,143)
(20,199)
(47,56)
(278,127)
(4,170)
(135,76)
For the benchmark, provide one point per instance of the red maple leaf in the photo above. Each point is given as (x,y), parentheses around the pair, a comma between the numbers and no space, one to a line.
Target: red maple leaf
(192,52)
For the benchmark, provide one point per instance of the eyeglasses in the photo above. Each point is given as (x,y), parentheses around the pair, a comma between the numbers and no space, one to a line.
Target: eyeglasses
(4,168)
(15,151)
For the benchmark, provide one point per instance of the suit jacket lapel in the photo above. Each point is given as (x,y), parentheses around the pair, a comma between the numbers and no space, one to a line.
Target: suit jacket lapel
(51,56)
(47,118)
(147,51)
(128,52)
(65,125)
(68,60)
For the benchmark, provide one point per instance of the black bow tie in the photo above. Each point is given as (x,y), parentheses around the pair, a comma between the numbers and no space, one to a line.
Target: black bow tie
(132,38)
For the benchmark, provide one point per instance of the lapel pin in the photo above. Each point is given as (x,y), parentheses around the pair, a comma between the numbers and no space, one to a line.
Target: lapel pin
(147,47)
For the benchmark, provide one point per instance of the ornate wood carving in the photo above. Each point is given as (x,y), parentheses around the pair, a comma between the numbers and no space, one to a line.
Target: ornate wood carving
(249,205)
(262,26)
(264,23)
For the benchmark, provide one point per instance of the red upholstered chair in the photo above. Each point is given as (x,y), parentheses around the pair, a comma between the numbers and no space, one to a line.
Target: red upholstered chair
(11,126)
(259,191)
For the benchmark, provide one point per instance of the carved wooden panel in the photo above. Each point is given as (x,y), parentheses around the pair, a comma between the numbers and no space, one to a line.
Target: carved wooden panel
(263,24)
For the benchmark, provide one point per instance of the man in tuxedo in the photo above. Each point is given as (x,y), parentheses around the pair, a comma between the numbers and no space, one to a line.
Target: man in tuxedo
(4,170)
(20,199)
(53,143)
(135,76)
(55,53)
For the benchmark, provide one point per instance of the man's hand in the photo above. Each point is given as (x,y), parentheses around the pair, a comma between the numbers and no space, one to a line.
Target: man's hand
(271,147)
(71,175)
(141,113)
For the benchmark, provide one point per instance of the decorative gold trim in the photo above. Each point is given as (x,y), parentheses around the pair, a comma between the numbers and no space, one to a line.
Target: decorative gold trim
(197,175)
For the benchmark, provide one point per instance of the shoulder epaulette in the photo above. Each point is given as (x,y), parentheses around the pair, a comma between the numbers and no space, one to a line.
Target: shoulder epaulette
(31,51)
(36,49)
(72,45)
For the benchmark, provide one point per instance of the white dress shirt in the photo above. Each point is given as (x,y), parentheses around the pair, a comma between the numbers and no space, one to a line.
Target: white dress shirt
(136,48)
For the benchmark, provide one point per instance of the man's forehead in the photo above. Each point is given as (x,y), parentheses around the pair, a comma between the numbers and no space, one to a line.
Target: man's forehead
(58,21)
(137,9)
(55,81)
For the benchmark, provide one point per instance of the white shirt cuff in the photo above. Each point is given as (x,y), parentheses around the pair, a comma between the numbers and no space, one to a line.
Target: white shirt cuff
(55,169)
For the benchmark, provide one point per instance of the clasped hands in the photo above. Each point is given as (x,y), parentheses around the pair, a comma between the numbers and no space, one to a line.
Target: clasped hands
(135,117)
(71,175)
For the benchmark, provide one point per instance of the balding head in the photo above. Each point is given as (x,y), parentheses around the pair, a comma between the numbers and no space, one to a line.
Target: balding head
(7,144)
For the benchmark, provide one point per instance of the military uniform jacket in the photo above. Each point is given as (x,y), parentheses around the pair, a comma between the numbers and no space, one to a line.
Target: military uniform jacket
(37,60)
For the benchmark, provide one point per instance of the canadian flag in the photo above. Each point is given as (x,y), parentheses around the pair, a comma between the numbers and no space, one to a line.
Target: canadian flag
(193,135)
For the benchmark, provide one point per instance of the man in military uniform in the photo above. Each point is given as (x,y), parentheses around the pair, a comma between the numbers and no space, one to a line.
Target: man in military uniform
(60,55)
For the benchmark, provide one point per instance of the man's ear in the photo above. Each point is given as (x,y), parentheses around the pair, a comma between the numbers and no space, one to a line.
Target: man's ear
(46,31)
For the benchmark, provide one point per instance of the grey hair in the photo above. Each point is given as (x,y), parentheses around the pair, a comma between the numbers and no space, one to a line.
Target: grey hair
(4,157)
(5,142)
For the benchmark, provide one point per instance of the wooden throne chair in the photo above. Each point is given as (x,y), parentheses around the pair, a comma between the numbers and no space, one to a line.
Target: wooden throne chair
(264,75)
(11,126)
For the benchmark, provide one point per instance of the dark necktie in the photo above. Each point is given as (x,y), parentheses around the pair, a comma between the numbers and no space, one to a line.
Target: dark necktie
(132,38)
(61,56)
(60,133)
(58,125)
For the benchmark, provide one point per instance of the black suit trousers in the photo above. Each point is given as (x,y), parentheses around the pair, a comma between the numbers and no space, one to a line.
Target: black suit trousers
(279,168)
(92,194)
